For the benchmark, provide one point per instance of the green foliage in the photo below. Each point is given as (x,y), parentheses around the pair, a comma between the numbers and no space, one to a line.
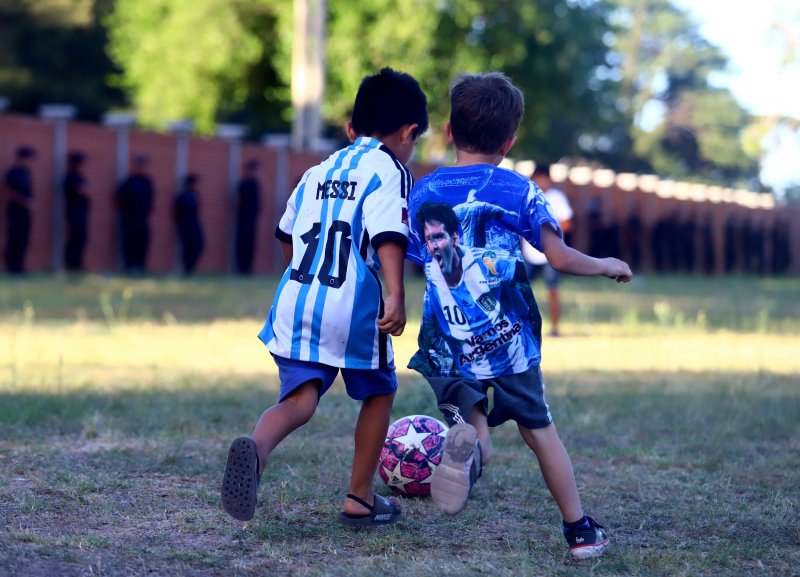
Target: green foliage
(550,48)
(588,69)
(206,64)
(665,59)
(52,51)
(182,58)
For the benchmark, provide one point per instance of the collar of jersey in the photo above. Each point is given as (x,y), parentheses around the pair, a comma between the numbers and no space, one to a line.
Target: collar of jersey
(367,142)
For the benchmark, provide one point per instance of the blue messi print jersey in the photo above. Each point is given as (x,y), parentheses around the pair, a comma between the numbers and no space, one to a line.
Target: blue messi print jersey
(328,301)
(480,319)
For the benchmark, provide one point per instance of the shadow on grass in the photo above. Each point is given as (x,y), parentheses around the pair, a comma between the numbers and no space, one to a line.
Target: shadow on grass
(692,474)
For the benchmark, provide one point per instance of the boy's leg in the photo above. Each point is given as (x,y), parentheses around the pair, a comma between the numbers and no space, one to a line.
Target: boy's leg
(478,420)
(247,456)
(556,468)
(277,422)
(585,537)
(551,279)
(370,434)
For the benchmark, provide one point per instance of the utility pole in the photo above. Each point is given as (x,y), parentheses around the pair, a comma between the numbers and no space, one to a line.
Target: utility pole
(308,72)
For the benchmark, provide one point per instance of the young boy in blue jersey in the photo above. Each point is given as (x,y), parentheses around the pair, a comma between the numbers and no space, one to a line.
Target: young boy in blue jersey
(346,219)
(481,327)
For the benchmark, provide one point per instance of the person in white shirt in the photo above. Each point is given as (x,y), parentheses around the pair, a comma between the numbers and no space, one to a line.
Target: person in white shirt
(536,263)
(346,220)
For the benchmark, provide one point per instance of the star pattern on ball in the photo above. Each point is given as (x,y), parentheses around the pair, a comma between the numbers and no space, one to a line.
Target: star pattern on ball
(396,478)
(413,440)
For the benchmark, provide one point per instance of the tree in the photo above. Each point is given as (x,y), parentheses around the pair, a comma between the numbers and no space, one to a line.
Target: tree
(552,49)
(665,66)
(52,51)
(183,58)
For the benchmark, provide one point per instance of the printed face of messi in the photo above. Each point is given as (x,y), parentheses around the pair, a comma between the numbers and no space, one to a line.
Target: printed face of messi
(442,245)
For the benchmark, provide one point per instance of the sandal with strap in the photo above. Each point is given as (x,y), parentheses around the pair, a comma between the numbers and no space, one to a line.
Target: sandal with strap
(241,480)
(383,512)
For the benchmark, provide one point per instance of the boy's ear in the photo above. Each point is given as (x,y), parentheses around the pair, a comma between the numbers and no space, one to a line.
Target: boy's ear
(407,132)
(348,130)
(448,131)
(507,145)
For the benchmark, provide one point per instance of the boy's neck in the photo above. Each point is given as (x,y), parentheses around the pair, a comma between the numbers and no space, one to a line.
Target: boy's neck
(464,158)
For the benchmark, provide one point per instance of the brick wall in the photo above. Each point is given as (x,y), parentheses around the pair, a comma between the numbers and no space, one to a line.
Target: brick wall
(217,162)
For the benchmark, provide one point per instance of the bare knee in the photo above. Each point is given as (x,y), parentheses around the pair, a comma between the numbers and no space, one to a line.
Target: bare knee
(302,402)
(539,439)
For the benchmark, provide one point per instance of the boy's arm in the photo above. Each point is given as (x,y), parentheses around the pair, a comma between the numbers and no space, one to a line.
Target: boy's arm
(287,252)
(393,320)
(570,261)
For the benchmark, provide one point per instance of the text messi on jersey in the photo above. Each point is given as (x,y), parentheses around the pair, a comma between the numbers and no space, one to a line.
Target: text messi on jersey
(344,189)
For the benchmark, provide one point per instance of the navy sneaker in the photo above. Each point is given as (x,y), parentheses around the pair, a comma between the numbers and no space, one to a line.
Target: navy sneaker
(586,541)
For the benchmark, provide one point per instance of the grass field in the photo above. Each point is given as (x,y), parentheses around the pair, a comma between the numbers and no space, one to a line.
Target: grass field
(677,398)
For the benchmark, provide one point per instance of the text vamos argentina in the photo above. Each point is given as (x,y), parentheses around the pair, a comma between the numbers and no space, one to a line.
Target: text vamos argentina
(489,340)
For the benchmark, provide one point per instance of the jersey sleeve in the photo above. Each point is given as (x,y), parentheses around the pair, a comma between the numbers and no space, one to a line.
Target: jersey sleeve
(537,213)
(286,223)
(386,210)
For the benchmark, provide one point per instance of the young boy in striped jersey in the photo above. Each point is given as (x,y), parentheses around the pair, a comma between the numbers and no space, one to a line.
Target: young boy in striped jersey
(346,219)
(481,327)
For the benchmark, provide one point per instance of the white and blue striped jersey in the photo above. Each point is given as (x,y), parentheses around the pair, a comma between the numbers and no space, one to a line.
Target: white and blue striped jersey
(328,301)
(488,324)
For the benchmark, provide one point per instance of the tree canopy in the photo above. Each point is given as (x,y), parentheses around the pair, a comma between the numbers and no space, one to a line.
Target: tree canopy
(626,83)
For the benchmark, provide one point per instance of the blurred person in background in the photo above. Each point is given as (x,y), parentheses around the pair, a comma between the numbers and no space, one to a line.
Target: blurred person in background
(77,202)
(19,196)
(186,210)
(248,207)
(135,204)
(536,263)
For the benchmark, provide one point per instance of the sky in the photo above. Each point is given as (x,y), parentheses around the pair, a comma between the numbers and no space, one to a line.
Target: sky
(745,32)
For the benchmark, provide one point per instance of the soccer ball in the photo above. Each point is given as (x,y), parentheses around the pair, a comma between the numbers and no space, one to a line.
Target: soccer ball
(411,452)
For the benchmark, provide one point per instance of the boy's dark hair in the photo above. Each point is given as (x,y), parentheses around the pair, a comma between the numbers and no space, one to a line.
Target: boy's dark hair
(440,211)
(485,111)
(386,102)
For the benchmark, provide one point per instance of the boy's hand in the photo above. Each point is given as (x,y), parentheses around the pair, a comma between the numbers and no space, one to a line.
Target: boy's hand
(617,269)
(393,320)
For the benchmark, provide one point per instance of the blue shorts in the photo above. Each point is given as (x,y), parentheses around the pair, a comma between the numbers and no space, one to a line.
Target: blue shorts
(360,383)
(518,398)
(551,275)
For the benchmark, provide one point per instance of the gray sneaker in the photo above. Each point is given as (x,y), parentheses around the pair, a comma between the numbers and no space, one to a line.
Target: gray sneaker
(454,477)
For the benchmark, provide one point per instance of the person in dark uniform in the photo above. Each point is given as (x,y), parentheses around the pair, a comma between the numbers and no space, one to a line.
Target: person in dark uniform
(707,245)
(248,206)
(76,196)
(135,203)
(19,195)
(187,219)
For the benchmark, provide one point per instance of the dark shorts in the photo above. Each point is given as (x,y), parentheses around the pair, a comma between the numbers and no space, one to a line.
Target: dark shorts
(518,398)
(360,383)
(550,275)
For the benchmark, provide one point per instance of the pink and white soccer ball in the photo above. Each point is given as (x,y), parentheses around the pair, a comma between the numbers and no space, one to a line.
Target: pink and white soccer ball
(412,450)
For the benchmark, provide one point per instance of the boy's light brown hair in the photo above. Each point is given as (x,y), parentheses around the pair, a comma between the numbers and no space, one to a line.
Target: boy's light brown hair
(485,111)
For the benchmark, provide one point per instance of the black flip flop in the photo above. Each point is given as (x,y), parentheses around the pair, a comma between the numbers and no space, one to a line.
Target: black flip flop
(240,484)
(383,512)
